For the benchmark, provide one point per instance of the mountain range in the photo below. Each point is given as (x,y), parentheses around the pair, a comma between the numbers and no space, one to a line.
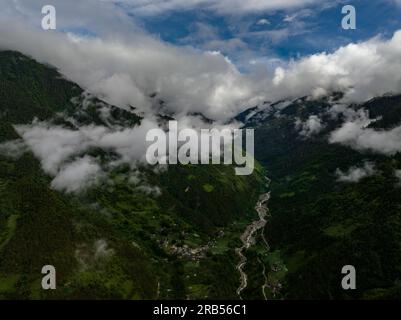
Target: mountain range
(140,232)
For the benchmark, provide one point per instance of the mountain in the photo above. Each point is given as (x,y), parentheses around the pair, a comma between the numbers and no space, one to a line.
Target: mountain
(138,233)
(141,233)
(322,220)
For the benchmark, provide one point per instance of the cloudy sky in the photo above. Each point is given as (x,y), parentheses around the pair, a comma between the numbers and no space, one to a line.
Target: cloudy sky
(215,57)
(262,30)
(247,31)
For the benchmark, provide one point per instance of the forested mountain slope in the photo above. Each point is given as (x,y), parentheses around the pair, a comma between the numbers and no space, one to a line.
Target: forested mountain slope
(336,194)
(141,232)
(137,233)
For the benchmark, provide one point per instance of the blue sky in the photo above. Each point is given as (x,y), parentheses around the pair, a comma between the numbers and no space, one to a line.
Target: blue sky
(246,31)
(279,34)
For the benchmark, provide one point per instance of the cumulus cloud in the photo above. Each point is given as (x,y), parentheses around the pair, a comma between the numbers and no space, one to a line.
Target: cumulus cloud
(312,126)
(356,134)
(355,174)
(363,70)
(129,72)
(77,176)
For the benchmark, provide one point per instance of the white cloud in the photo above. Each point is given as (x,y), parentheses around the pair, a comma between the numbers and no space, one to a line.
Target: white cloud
(300,14)
(355,174)
(55,145)
(128,71)
(356,134)
(364,70)
(263,22)
(77,176)
(52,146)
(119,90)
(125,67)
(349,114)
(290,18)
(312,126)
(98,16)
(61,150)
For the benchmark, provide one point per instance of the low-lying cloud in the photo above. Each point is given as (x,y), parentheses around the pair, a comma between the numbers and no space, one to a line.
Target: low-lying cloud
(62,151)
(357,134)
(54,145)
(77,176)
(355,174)
(312,126)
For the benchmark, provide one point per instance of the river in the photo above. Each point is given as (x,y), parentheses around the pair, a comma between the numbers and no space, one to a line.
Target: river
(248,239)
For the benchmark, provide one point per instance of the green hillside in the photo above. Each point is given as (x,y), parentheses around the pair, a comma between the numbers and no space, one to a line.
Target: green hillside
(319,224)
(112,241)
(176,237)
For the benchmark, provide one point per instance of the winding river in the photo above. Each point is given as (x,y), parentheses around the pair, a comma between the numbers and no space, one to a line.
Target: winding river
(248,239)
